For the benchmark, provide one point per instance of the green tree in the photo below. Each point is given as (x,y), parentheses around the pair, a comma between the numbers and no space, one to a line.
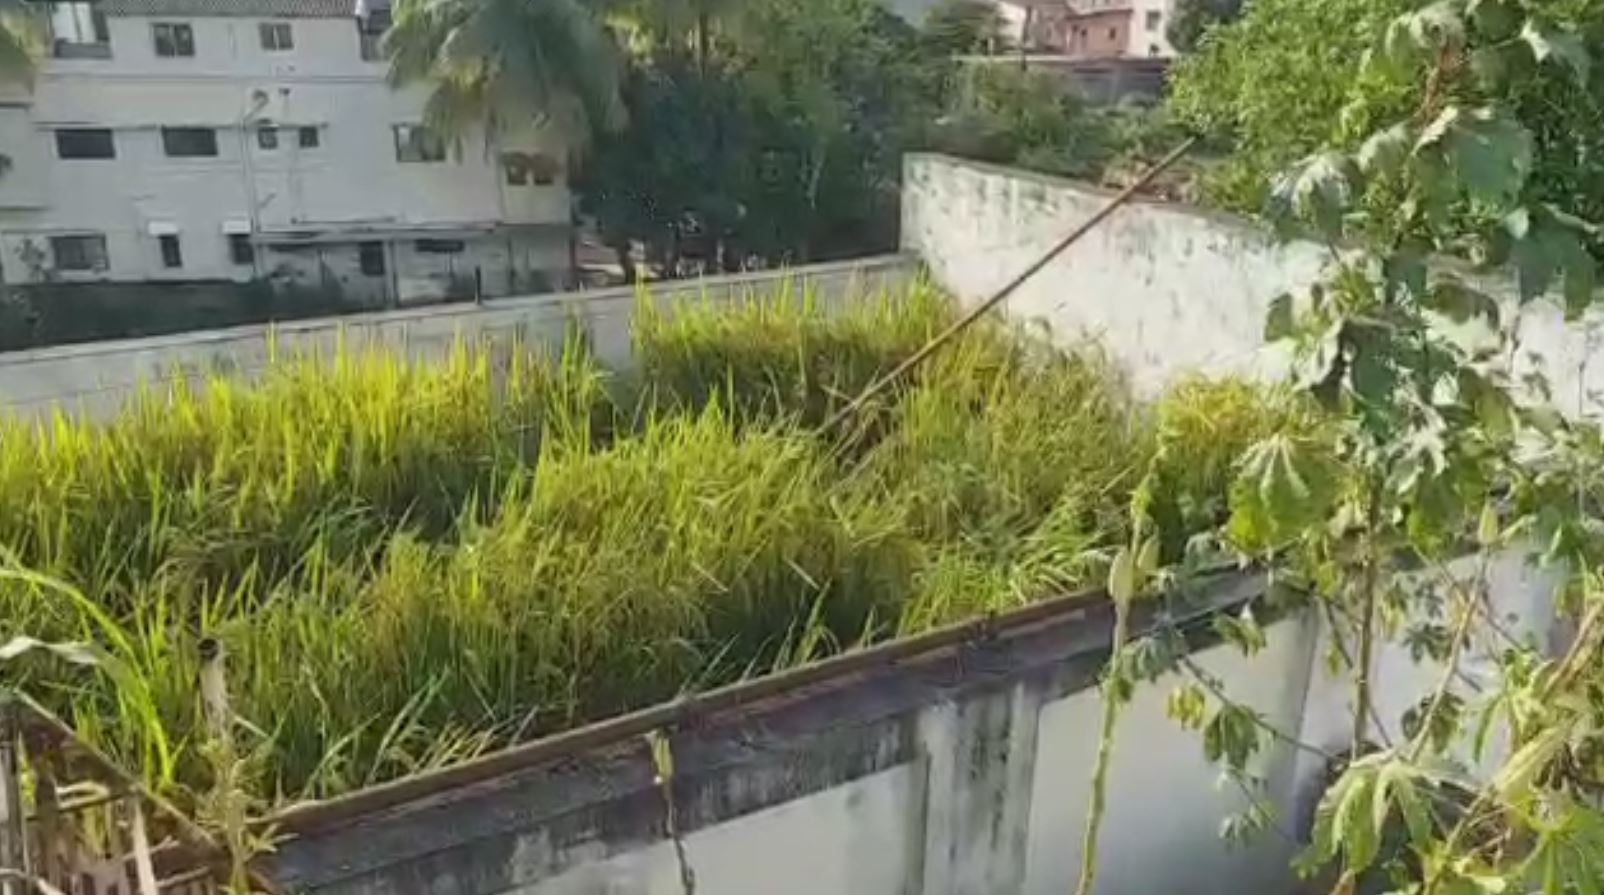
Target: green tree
(963,26)
(672,24)
(1423,455)
(1274,86)
(1291,77)
(670,179)
(1193,18)
(783,146)
(509,64)
(838,90)
(21,38)
(998,113)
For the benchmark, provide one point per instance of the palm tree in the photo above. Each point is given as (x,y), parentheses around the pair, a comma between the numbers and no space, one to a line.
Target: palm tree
(672,20)
(21,39)
(508,64)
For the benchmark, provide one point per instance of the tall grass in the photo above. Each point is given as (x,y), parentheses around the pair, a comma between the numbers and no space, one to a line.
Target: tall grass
(410,563)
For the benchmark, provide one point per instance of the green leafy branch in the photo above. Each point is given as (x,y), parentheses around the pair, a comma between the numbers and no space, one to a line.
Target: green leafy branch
(1431,452)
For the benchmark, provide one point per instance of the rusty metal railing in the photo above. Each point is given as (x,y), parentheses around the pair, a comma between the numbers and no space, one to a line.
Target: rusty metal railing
(74,823)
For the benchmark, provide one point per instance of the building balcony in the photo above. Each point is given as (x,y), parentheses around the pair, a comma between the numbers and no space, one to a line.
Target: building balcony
(66,49)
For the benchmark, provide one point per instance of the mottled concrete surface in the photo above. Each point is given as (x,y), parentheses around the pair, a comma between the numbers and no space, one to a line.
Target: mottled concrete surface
(959,773)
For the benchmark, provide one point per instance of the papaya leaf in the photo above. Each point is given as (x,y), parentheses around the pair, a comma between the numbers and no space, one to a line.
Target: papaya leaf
(1318,191)
(1354,821)
(1452,298)
(1489,151)
(1243,632)
(1232,736)
(1385,151)
(1495,19)
(1566,49)
(1514,780)
(1405,272)
(1187,705)
(1418,34)
(1284,485)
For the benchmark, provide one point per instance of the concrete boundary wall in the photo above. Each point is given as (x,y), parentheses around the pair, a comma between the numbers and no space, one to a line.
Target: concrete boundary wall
(1167,289)
(957,762)
(94,379)
(1170,291)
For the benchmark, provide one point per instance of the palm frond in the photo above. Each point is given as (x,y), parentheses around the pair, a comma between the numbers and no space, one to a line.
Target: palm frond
(22,39)
(508,64)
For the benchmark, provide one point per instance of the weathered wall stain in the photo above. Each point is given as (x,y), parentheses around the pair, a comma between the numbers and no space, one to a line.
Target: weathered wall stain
(958,775)
(1170,290)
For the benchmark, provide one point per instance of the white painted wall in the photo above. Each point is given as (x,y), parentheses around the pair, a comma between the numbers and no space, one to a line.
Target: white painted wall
(1167,289)
(1149,19)
(1170,291)
(859,837)
(1161,830)
(993,802)
(1013,16)
(96,378)
(351,181)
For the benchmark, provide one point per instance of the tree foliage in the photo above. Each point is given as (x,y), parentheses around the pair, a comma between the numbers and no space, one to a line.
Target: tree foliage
(782,145)
(1275,84)
(508,65)
(21,39)
(1193,18)
(963,26)
(1291,77)
(1437,452)
(1000,113)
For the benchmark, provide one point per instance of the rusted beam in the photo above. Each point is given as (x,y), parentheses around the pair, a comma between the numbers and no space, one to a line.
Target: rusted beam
(43,731)
(14,868)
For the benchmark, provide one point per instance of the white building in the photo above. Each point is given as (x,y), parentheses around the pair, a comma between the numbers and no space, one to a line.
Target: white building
(226,140)
(1150,21)
(1119,29)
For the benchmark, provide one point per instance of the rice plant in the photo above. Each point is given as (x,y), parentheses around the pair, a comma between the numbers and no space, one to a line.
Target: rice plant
(412,562)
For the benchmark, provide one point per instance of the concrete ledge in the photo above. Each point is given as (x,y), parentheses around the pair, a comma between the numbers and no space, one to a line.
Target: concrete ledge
(538,810)
(94,379)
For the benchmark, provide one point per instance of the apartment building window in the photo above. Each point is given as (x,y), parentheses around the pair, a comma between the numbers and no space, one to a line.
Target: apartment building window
(189,142)
(1153,18)
(1113,34)
(370,34)
(240,250)
(85,143)
(276,36)
(172,255)
(542,169)
(81,253)
(308,137)
(416,143)
(173,38)
(439,246)
(370,46)
(79,31)
(267,137)
(524,168)
(370,256)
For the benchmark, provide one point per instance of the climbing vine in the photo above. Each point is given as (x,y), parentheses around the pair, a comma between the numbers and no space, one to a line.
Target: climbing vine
(1438,448)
